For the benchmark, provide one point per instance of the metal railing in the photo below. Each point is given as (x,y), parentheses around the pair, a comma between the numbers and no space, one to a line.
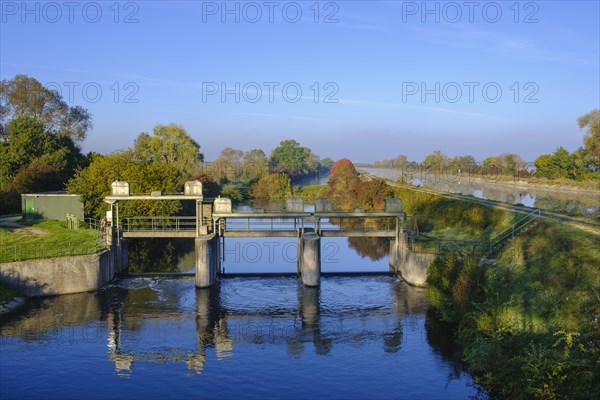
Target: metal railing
(49,249)
(155,224)
(362,224)
(497,241)
(259,224)
(31,251)
(299,224)
(424,244)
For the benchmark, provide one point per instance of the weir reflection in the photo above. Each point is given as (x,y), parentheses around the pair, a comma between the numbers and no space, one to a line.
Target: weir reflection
(169,321)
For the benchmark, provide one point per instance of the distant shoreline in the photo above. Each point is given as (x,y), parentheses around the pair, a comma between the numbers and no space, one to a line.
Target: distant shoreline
(516,184)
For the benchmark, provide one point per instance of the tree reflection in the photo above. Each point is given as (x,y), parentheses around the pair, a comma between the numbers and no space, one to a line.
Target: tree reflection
(132,318)
(160,255)
(374,248)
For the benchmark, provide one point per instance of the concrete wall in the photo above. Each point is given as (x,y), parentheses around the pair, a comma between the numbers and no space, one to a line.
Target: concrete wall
(64,275)
(410,265)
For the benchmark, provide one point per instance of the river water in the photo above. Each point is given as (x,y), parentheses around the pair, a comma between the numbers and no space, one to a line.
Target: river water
(159,337)
(156,336)
(574,203)
(355,337)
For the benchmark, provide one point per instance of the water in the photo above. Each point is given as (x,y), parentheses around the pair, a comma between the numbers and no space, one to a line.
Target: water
(355,337)
(263,255)
(568,202)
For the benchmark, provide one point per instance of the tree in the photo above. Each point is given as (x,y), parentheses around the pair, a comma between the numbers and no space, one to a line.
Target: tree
(343,166)
(272,186)
(397,162)
(561,164)
(343,184)
(33,159)
(255,166)
(228,165)
(463,163)
(171,145)
(291,158)
(25,96)
(327,163)
(94,183)
(435,161)
(591,140)
(544,167)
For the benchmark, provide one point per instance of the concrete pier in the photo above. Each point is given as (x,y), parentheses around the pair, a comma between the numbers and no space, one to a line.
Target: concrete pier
(394,256)
(309,306)
(208,260)
(412,266)
(309,260)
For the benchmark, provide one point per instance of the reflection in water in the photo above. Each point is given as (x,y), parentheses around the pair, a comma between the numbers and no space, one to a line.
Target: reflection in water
(132,316)
(376,248)
(161,255)
(570,202)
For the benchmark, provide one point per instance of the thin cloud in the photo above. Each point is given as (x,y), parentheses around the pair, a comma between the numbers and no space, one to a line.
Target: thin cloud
(411,106)
(268,115)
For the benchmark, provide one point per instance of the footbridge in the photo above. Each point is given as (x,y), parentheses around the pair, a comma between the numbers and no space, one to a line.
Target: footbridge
(214,220)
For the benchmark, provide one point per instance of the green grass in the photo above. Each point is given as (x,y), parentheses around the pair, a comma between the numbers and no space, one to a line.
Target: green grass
(6,293)
(530,324)
(43,239)
(453,219)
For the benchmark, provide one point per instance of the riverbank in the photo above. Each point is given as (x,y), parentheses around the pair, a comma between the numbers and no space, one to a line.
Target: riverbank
(558,185)
(590,225)
(23,240)
(530,323)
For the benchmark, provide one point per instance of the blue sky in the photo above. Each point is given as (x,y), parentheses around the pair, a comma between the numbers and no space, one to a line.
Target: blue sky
(377,79)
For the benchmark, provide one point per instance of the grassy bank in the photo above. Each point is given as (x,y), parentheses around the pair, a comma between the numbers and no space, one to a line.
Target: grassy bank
(530,324)
(585,184)
(44,238)
(452,219)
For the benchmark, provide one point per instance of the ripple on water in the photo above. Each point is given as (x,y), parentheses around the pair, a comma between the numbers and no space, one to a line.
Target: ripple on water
(354,337)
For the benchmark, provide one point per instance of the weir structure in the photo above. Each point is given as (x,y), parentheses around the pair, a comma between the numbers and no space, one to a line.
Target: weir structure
(214,220)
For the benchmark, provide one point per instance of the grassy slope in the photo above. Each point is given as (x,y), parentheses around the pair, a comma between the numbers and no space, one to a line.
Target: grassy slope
(452,219)
(54,231)
(52,236)
(530,324)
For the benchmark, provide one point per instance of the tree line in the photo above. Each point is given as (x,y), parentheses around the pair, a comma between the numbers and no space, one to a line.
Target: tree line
(40,138)
(579,165)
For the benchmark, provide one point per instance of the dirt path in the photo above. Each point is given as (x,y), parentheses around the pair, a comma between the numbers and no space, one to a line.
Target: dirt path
(11,222)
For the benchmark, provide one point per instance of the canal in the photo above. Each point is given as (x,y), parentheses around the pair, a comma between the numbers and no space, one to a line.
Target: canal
(571,202)
(156,336)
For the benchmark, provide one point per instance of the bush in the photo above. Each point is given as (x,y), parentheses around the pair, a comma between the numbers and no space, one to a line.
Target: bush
(530,324)
(272,186)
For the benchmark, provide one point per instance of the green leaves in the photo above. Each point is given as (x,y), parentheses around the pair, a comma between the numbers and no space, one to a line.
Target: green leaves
(272,186)
(293,159)
(25,96)
(169,145)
